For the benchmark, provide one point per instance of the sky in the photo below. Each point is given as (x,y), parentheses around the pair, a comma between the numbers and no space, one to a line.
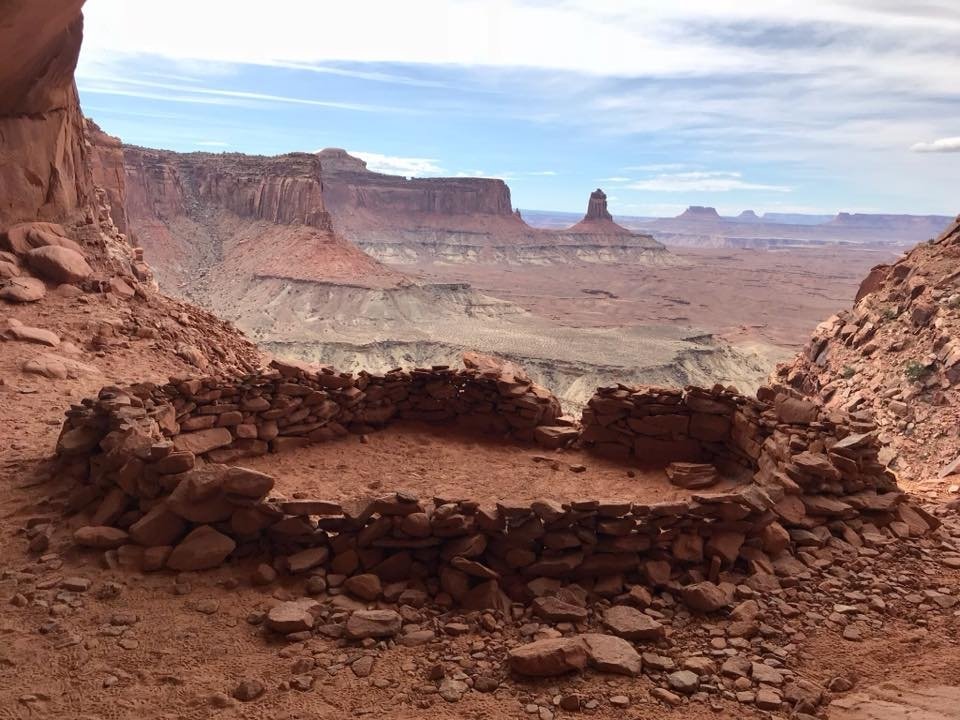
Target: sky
(772,105)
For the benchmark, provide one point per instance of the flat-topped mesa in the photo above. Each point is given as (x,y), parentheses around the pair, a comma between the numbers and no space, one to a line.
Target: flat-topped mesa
(339,160)
(597,207)
(699,212)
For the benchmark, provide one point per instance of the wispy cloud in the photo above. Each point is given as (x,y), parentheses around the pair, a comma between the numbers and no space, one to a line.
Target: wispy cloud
(397,165)
(178,92)
(710,182)
(943,145)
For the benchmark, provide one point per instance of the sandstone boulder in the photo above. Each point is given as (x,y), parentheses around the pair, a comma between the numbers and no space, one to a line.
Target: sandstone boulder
(707,597)
(556,610)
(22,290)
(59,264)
(16,330)
(628,622)
(545,658)
(366,586)
(372,624)
(101,537)
(159,526)
(24,237)
(294,616)
(202,549)
(248,483)
(203,440)
(58,368)
(307,559)
(8,269)
(612,654)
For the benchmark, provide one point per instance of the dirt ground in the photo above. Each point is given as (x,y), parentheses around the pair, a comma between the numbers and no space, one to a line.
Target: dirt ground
(431,461)
(770,298)
(170,646)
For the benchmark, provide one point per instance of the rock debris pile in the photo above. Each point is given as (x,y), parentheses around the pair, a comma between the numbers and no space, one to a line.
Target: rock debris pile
(895,357)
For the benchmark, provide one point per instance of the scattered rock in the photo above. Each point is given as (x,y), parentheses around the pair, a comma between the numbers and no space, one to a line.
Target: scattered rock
(612,654)
(249,689)
(373,624)
(630,623)
(707,597)
(545,658)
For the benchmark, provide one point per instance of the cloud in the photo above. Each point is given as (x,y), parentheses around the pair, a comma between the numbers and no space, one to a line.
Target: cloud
(943,145)
(397,165)
(615,179)
(178,92)
(715,181)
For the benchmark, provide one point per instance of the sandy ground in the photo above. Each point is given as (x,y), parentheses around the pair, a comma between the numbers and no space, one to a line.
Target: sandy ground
(430,461)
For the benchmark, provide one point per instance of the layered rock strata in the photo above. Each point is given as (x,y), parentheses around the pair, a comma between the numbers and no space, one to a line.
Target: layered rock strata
(149,467)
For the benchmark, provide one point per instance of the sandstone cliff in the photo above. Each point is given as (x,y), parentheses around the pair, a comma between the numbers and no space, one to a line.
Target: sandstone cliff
(78,300)
(201,215)
(44,173)
(895,357)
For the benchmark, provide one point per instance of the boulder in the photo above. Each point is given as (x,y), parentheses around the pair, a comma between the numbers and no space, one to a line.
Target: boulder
(101,537)
(794,411)
(159,526)
(203,548)
(707,597)
(294,616)
(16,330)
(203,440)
(248,483)
(555,610)
(306,560)
(373,624)
(58,368)
(545,658)
(22,290)
(24,237)
(366,586)
(611,654)
(58,264)
(628,622)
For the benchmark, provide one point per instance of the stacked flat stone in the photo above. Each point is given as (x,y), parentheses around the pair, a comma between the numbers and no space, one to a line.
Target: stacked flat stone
(150,468)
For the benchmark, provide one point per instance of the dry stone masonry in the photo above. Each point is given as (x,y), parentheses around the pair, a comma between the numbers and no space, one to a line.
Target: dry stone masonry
(153,468)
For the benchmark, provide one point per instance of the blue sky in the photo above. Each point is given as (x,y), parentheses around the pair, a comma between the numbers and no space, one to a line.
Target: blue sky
(842,105)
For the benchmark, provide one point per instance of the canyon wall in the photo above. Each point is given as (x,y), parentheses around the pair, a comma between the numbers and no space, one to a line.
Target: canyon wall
(44,173)
(285,189)
(394,219)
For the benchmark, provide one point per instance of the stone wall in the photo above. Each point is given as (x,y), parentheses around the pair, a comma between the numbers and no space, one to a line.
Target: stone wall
(149,468)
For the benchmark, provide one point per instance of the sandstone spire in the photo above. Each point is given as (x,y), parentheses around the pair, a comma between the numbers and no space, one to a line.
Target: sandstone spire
(597,207)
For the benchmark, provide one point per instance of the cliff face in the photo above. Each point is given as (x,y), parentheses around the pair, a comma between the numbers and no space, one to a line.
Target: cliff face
(43,166)
(285,189)
(455,220)
(206,219)
(107,166)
